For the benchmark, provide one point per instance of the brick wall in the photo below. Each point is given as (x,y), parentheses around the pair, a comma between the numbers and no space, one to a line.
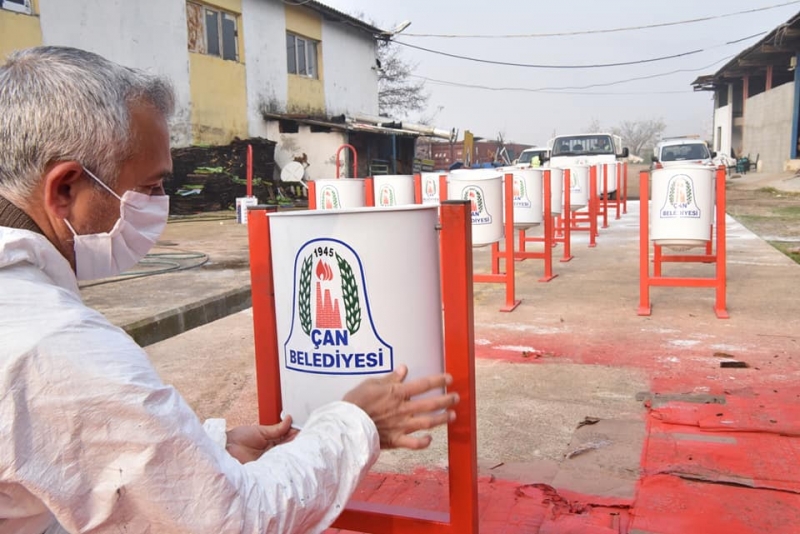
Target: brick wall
(768,127)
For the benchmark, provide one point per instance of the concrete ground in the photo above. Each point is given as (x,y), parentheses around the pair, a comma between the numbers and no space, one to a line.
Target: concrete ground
(574,349)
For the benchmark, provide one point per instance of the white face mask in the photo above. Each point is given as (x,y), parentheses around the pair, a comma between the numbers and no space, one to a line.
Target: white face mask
(142,219)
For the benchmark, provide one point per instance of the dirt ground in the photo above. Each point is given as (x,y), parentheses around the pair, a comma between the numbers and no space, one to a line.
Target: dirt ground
(771,214)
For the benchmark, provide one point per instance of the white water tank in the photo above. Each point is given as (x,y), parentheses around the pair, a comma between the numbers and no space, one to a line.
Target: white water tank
(350,306)
(579,186)
(556,190)
(528,193)
(340,193)
(682,206)
(393,190)
(484,189)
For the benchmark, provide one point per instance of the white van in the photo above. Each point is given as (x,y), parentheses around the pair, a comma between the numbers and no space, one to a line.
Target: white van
(680,151)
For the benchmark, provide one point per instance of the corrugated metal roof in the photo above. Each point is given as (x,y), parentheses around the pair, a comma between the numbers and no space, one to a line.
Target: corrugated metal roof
(348,126)
(774,48)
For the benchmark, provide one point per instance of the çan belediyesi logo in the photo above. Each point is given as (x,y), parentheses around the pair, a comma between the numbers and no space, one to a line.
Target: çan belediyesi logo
(520,193)
(332,330)
(680,202)
(430,190)
(386,196)
(329,197)
(477,201)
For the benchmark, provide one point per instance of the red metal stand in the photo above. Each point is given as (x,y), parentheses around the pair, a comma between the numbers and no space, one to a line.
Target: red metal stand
(459,348)
(369,192)
(720,257)
(564,224)
(625,188)
(496,277)
(547,238)
(588,217)
(605,195)
(618,196)
(312,195)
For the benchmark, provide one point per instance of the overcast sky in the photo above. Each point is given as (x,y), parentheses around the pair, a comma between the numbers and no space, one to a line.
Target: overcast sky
(533,117)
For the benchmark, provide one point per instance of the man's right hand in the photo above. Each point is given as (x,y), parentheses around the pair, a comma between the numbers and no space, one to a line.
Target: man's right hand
(388,402)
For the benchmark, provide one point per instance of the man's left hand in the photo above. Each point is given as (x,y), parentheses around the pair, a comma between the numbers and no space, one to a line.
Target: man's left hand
(248,443)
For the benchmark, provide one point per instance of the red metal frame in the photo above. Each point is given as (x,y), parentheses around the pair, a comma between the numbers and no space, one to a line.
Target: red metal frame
(459,347)
(417,188)
(548,237)
(508,278)
(605,195)
(312,195)
(355,159)
(369,192)
(625,188)
(588,217)
(718,282)
(618,196)
(564,224)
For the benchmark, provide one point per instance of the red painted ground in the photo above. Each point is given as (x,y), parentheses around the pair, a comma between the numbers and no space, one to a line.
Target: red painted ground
(504,507)
(706,468)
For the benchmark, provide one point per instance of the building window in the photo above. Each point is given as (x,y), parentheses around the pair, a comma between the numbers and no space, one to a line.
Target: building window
(212,32)
(301,56)
(20,6)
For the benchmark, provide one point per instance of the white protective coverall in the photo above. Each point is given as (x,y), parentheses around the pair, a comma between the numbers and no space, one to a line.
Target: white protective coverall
(91,440)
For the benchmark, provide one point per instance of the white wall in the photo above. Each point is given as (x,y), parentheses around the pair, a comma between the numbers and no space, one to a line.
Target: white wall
(319,147)
(351,82)
(264,26)
(144,34)
(723,123)
(768,127)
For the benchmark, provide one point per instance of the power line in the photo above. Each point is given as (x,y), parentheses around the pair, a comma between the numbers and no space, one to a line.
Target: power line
(607,30)
(567,89)
(588,66)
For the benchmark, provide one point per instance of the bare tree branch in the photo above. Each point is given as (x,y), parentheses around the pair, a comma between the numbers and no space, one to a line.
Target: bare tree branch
(398,95)
(640,135)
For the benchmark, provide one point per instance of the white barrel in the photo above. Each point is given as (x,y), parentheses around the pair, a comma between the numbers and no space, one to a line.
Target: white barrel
(556,190)
(430,187)
(340,193)
(350,306)
(611,168)
(578,186)
(528,195)
(484,189)
(242,203)
(393,190)
(682,209)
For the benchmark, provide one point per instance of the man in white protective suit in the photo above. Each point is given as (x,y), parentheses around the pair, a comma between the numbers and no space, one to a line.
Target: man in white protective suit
(91,440)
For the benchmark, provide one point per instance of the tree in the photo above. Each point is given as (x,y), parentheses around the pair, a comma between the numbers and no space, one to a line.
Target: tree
(398,94)
(594,126)
(641,134)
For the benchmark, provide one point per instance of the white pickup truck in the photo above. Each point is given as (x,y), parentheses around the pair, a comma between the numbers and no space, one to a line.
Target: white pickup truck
(585,149)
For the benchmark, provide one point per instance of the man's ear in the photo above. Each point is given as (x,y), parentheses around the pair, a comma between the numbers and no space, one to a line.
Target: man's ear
(61,182)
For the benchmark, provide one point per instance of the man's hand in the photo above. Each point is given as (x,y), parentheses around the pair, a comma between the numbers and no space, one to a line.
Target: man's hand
(388,402)
(248,443)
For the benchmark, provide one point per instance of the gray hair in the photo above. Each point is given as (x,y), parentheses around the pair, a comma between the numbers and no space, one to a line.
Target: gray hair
(65,104)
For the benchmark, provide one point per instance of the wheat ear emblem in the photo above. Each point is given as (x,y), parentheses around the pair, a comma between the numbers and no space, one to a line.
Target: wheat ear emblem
(304,297)
(352,305)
